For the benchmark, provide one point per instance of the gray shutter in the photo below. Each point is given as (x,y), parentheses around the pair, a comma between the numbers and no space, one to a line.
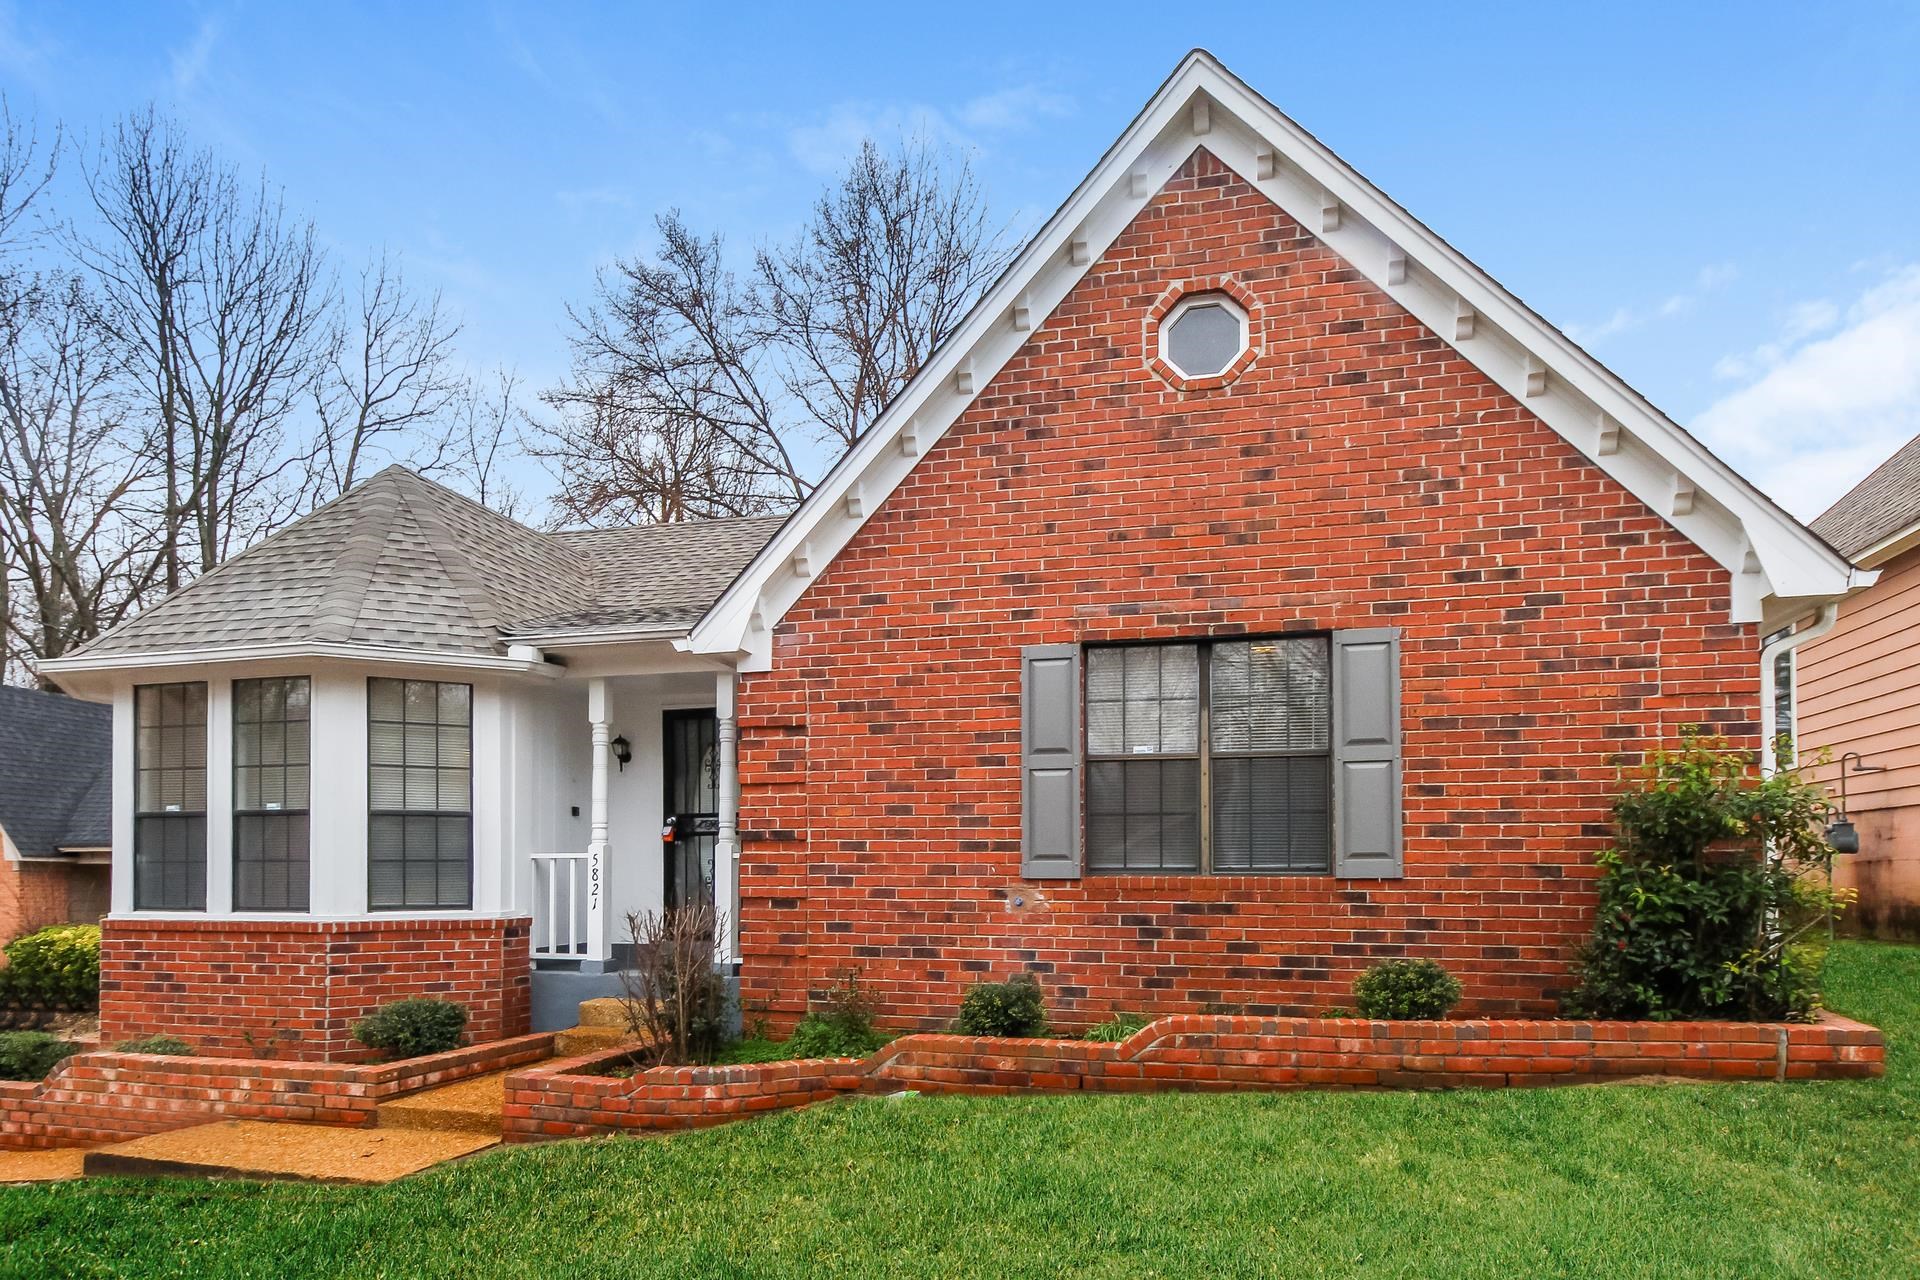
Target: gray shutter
(1367,814)
(1050,762)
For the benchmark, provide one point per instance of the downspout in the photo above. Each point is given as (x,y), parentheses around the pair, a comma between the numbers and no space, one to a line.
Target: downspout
(1769,684)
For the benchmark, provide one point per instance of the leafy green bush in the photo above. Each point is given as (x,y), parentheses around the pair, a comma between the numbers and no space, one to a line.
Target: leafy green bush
(29,1055)
(412,1028)
(58,966)
(1406,989)
(166,1046)
(1117,1028)
(1011,1008)
(840,1027)
(1715,900)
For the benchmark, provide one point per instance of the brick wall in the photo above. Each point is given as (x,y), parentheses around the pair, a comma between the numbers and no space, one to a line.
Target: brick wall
(109,1097)
(32,895)
(295,988)
(556,1100)
(1358,473)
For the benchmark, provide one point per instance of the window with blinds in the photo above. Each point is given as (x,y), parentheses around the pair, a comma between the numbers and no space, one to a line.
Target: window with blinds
(170,797)
(420,795)
(1210,757)
(270,788)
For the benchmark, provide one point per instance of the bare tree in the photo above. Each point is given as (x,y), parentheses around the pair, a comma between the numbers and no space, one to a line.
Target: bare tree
(78,554)
(220,299)
(884,271)
(671,412)
(386,384)
(692,391)
(25,173)
(481,434)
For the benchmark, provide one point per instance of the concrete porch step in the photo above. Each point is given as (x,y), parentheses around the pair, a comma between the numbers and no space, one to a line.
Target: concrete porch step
(262,1149)
(466,1106)
(575,1041)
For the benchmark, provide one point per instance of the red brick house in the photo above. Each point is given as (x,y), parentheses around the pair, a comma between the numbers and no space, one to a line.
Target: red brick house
(1250,590)
(54,810)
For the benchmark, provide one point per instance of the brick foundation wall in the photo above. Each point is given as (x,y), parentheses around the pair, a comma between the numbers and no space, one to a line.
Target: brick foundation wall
(294,989)
(1359,473)
(109,1097)
(1192,1052)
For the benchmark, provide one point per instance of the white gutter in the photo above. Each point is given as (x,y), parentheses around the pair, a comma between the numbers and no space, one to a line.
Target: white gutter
(280,650)
(1769,685)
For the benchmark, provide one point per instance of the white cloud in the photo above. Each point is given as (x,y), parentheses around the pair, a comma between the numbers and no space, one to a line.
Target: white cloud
(824,145)
(1825,405)
(190,62)
(1803,320)
(1707,280)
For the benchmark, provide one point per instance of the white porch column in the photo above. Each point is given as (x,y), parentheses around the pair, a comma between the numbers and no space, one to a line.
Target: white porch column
(726,845)
(598,952)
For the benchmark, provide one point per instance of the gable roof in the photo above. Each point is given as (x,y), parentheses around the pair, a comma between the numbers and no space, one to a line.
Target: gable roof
(1886,505)
(56,790)
(1778,565)
(401,563)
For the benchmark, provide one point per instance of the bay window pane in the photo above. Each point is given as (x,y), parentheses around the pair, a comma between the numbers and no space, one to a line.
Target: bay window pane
(271,864)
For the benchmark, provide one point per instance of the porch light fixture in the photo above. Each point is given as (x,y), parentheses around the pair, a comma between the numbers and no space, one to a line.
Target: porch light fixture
(622,751)
(1841,833)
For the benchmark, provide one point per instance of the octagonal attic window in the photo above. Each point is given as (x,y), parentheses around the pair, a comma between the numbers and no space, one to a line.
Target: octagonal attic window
(1203,335)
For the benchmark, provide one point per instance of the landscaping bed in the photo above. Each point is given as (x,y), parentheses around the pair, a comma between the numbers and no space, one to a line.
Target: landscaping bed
(578,1097)
(95,1098)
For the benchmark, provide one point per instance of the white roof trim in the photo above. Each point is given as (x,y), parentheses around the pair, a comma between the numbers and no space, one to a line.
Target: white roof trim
(293,649)
(1777,563)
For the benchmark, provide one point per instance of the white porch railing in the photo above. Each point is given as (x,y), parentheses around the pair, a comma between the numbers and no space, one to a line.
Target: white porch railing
(562,885)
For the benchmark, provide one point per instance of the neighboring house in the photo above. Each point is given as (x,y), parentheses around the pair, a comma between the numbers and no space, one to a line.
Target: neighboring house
(1858,694)
(1251,589)
(56,810)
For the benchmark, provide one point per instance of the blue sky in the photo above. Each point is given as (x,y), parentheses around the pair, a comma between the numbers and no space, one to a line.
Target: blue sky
(1720,201)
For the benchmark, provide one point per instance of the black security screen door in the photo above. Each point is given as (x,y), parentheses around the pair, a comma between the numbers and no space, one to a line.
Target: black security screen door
(692,777)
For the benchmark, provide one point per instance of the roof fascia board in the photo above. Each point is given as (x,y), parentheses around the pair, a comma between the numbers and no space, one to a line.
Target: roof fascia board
(83,664)
(1767,552)
(1894,544)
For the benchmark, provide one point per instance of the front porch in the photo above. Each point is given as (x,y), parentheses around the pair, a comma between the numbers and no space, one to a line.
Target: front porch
(654,756)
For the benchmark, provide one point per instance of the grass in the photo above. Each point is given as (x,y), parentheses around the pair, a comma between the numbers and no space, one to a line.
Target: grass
(1621,1181)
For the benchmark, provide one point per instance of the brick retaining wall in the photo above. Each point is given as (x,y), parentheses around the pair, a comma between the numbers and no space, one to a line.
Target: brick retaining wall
(557,1100)
(94,1098)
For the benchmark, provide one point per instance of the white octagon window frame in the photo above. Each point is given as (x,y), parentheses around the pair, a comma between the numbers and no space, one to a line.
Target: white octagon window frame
(1206,298)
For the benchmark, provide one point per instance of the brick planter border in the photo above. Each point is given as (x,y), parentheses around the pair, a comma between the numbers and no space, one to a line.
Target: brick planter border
(94,1098)
(563,1099)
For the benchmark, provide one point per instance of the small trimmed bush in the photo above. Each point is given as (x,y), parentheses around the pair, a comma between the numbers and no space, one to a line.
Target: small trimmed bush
(413,1028)
(841,1026)
(29,1055)
(1117,1028)
(165,1046)
(1011,1008)
(1406,989)
(58,966)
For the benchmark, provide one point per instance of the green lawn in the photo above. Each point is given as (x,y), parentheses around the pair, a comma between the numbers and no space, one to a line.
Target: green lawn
(1679,1180)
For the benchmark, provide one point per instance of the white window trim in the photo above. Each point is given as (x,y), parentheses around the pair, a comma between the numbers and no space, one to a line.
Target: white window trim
(1208,298)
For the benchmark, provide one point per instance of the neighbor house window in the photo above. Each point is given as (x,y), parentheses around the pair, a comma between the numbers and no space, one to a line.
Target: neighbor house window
(420,794)
(270,776)
(170,797)
(1209,756)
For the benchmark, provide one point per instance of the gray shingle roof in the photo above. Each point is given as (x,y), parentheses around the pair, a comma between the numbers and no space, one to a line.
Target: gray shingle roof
(403,562)
(1887,501)
(56,765)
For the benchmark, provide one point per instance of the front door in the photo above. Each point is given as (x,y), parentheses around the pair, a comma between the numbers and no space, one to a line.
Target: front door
(692,805)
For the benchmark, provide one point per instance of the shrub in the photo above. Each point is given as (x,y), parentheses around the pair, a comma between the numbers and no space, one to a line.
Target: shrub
(1117,1028)
(1406,989)
(840,1027)
(1011,1008)
(676,1004)
(411,1028)
(1714,900)
(29,1055)
(166,1046)
(58,966)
